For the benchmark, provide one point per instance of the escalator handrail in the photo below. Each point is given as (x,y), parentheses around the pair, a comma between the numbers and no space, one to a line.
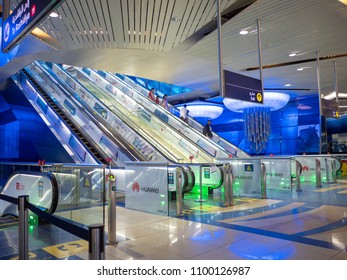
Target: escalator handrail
(153,146)
(177,120)
(25,73)
(191,120)
(54,184)
(90,115)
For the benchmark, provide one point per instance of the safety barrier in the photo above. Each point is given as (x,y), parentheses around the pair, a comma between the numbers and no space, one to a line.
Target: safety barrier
(94,234)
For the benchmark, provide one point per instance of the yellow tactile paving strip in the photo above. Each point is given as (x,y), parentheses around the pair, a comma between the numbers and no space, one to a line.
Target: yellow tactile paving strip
(64,250)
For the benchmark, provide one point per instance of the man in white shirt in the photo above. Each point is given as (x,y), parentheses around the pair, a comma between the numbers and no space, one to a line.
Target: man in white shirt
(184,113)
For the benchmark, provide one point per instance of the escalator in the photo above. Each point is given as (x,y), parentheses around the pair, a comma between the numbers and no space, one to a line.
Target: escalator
(69,111)
(71,125)
(175,145)
(129,141)
(233,150)
(41,188)
(77,128)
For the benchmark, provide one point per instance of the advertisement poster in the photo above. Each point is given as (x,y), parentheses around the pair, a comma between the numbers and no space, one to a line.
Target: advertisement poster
(147,188)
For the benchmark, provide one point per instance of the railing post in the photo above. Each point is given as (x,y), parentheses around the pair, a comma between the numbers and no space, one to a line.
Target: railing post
(179,200)
(297,174)
(318,174)
(333,167)
(326,169)
(263,180)
(23,227)
(96,242)
(230,181)
(226,186)
(112,217)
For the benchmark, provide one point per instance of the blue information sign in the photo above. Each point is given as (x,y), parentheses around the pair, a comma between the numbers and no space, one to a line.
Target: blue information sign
(23,19)
(242,87)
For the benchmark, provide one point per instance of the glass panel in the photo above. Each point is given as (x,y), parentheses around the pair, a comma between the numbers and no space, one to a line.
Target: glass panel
(80,188)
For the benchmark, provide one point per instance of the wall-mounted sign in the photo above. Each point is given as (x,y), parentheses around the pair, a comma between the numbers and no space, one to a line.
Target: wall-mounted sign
(23,19)
(242,87)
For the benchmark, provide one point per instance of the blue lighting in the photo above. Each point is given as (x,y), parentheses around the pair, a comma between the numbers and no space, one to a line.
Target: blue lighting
(161,87)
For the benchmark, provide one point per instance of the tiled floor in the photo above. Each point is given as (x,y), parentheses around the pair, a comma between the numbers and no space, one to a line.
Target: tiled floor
(310,225)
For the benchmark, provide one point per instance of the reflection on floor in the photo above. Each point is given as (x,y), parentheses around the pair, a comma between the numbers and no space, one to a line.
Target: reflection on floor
(288,225)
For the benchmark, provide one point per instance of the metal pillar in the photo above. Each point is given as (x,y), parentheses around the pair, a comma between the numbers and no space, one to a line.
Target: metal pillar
(23,228)
(220,51)
(226,199)
(318,174)
(297,174)
(112,210)
(263,180)
(96,242)
(260,56)
(179,199)
(333,167)
(230,181)
(320,101)
(326,169)
(336,88)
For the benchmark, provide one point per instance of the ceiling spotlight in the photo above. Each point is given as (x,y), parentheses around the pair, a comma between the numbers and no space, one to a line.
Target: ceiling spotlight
(53,15)
(300,69)
(287,85)
(244,32)
(292,54)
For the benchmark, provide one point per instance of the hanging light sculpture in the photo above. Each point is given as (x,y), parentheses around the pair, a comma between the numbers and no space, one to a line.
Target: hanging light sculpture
(257,118)
(201,109)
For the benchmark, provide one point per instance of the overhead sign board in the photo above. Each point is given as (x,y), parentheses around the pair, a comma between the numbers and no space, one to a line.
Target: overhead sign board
(23,19)
(330,108)
(242,87)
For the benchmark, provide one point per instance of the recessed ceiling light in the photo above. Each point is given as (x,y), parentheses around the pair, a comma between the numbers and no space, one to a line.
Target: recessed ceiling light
(292,54)
(53,14)
(300,69)
(287,85)
(244,32)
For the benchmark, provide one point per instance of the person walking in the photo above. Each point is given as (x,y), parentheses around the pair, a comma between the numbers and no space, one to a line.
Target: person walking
(151,95)
(207,130)
(164,102)
(184,113)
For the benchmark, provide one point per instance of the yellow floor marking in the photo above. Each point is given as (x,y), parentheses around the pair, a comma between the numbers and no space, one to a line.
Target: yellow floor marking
(207,208)
(31,255)
(67,249)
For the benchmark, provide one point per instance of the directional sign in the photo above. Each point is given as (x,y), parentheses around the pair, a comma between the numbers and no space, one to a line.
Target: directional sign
(242,87)
(23,19)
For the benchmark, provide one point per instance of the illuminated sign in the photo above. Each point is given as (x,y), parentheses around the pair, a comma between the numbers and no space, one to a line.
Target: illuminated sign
(23,19)
(242,87)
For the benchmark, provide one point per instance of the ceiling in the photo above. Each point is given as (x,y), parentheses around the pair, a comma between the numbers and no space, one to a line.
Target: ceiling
(176,41)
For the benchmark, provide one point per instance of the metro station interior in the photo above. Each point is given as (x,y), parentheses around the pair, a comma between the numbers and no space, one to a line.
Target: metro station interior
(83,143)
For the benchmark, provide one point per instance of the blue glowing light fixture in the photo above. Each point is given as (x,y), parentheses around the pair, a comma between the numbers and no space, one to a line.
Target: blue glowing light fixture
(198,109)
(272,100)
(257,118)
